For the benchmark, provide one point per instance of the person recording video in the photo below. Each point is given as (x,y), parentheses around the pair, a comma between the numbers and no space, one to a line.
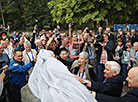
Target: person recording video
(104,52)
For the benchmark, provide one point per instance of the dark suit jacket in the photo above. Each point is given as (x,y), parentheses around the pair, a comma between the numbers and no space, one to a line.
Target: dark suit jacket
(113,86)
(134,38)
(65,62)
(111,37)
(131,96)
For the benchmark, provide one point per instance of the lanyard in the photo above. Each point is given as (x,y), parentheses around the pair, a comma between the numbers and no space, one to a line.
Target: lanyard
(82,74)
(29,56)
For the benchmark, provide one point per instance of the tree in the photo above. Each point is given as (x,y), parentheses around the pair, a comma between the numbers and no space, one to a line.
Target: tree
(83,11)
(37,9)
(20,14)
(13,11)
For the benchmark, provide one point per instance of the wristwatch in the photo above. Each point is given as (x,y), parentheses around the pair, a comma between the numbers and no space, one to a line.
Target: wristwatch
(86,82)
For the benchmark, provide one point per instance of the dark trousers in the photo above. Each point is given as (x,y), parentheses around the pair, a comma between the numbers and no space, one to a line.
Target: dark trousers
(3,98)
(13,92)
(100,72)
(4,94)
(124,68)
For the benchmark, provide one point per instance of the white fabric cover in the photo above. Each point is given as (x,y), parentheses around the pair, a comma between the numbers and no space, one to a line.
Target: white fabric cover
(1,87)
(51,81)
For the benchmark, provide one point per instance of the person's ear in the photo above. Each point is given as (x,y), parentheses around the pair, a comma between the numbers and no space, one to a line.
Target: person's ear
(114,73)
(86,60)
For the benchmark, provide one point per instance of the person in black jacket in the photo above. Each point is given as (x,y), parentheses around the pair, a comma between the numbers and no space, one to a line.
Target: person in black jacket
(118,51)
(134,36)
(131,96)
(110,35)
(63,57)
(104,53)
(113,83)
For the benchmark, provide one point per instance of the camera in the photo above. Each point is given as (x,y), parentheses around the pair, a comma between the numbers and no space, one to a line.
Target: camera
(99,38)
(72,24)
(16,41)
(89,41)
(87,30)
(57,34)
(36,22)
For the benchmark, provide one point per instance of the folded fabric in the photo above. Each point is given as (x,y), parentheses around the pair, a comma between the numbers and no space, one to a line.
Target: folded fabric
(1,87)
(51,81)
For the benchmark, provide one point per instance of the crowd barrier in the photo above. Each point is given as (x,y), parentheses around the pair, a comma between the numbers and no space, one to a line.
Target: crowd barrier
(131,26)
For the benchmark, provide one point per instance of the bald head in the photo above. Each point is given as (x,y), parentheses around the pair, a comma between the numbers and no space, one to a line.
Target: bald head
(133,77)
(134,72)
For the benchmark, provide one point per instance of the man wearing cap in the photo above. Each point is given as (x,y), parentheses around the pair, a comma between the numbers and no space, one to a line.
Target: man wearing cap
(4,35)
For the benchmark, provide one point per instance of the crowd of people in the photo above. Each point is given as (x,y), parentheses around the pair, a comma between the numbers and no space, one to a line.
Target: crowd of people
(99,61)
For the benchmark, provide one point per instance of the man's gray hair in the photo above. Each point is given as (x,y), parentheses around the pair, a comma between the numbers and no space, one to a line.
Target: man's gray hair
(136,43)
(108,29)
(27,43)
(114,66)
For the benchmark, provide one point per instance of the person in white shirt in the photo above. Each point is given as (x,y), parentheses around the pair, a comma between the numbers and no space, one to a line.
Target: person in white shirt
(28,54)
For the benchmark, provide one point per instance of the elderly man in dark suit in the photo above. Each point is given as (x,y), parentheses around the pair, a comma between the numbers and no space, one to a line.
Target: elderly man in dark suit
(111,36)
(131,96)
(113,83)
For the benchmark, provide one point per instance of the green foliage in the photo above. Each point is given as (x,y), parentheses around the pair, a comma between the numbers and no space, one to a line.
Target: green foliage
(47,27)
(29,28)
(84,11)
(21,14)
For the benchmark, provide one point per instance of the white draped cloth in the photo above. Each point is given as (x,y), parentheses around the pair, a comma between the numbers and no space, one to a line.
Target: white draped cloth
(51,81)
(1,87)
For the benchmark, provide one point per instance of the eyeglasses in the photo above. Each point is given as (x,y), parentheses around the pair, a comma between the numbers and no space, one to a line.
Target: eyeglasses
(20,56)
